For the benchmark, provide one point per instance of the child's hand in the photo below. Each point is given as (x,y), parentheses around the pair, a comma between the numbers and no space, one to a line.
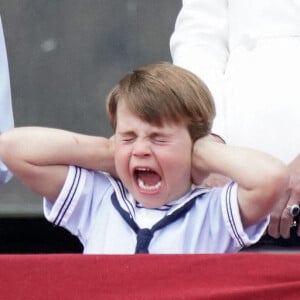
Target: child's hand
(199,172)
(202,176)
(112,169)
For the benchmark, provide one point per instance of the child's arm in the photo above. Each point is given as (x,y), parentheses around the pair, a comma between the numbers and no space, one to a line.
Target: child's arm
(40,157)
(261,178)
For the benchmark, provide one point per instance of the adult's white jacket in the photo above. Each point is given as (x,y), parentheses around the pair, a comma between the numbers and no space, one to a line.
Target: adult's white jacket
(248,53)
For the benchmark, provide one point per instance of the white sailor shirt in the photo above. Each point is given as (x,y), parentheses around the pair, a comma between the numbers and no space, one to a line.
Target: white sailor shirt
(212,224)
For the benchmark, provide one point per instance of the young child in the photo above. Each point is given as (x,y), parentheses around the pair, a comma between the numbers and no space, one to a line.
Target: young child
(134,192)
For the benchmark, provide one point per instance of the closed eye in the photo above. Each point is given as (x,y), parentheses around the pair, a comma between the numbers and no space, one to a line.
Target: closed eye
(161,139)
(127,137)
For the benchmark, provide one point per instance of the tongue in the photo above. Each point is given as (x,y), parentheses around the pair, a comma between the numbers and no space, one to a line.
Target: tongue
(149,178)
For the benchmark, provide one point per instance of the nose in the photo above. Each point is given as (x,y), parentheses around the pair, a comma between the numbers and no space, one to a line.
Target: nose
(141,147)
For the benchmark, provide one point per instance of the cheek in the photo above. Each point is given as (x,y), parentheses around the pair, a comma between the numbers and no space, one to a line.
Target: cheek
(179,160)
(121,161)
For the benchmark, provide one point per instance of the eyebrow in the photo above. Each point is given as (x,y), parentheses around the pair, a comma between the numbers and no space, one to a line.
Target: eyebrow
(152,134)
(163,134)
(126,132)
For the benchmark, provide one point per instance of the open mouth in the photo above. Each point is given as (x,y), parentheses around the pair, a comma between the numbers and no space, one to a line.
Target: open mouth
(147,179)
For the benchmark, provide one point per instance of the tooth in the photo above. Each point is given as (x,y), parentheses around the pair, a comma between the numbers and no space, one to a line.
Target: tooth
(143,169)
(147,187)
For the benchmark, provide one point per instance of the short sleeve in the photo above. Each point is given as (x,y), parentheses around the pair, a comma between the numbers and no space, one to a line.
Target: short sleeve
(76,204)
(230,208)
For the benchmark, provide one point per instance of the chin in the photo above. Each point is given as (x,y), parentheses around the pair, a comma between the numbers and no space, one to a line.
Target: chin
(150,201)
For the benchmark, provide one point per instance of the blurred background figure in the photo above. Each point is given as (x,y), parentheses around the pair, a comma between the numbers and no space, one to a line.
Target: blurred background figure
(248,53)
(6,114)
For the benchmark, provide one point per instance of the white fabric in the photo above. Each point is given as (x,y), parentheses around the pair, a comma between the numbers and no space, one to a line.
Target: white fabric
(6,115)
(247,52)
(212,225)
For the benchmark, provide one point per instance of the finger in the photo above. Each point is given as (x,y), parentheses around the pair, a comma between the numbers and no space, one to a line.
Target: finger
(294,200)
(276,215)
(295,185)
(287,218)
(286,222)
(298,229)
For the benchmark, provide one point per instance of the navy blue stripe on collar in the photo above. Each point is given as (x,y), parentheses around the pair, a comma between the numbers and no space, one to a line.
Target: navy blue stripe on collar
(123,196)
(198,191)
(165,207)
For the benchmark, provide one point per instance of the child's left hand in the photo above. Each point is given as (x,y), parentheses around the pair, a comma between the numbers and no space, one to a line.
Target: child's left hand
(203,177)
(199,174)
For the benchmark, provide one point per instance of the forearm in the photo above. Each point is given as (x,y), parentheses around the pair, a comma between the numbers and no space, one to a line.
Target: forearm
(40,157)
(246,166)
(261,179)
(49,147)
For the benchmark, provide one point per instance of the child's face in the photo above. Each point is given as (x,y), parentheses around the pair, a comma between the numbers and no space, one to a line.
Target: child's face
(154,163)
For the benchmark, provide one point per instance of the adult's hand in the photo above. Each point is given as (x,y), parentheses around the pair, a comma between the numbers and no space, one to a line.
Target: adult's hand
(281,220)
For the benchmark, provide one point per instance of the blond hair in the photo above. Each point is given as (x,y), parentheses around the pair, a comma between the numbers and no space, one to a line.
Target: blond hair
(164,92)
